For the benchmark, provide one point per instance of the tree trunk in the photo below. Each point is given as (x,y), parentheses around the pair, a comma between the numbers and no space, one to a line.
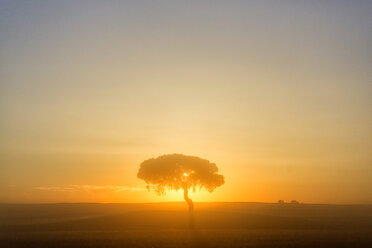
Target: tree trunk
(191,208)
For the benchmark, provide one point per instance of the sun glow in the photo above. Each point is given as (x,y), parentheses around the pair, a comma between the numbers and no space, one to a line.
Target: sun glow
(284,112)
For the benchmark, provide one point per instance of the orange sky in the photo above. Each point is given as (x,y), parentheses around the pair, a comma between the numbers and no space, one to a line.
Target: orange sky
(277,95)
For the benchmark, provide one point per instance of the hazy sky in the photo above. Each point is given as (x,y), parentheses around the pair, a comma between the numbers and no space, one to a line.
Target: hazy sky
(277,93)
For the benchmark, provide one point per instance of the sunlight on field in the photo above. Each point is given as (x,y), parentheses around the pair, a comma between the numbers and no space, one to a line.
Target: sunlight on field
(172,196)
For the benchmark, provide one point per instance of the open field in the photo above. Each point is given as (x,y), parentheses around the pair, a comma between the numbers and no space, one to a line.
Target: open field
(165,225)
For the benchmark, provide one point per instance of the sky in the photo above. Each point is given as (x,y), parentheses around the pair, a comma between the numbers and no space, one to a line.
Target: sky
(277,93)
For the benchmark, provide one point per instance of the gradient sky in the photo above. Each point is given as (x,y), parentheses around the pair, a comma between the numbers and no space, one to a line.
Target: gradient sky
(277,93)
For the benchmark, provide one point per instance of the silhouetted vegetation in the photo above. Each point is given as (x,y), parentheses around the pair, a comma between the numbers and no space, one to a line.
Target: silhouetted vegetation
(178,171)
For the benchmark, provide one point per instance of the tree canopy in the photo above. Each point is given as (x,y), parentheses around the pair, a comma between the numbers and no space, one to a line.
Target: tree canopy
(178,171)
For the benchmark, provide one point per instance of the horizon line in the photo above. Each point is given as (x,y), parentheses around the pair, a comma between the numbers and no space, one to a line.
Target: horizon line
(167,202)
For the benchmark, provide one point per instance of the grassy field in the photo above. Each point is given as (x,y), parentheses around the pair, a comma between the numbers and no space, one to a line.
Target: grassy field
(165,225)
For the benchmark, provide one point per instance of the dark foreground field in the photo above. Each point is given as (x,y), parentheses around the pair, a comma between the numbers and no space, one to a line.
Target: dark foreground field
(165,225)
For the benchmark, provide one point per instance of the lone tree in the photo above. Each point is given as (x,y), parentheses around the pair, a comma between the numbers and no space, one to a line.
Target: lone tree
(177,171)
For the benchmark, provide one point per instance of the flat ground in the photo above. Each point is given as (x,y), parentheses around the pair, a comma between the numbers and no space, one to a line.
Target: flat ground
(165,225)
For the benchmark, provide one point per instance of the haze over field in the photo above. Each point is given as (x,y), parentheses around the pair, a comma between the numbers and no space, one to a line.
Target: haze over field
(276,93)
(165,225)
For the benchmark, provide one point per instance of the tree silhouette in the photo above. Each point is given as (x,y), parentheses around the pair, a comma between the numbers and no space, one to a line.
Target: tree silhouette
(177,171)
